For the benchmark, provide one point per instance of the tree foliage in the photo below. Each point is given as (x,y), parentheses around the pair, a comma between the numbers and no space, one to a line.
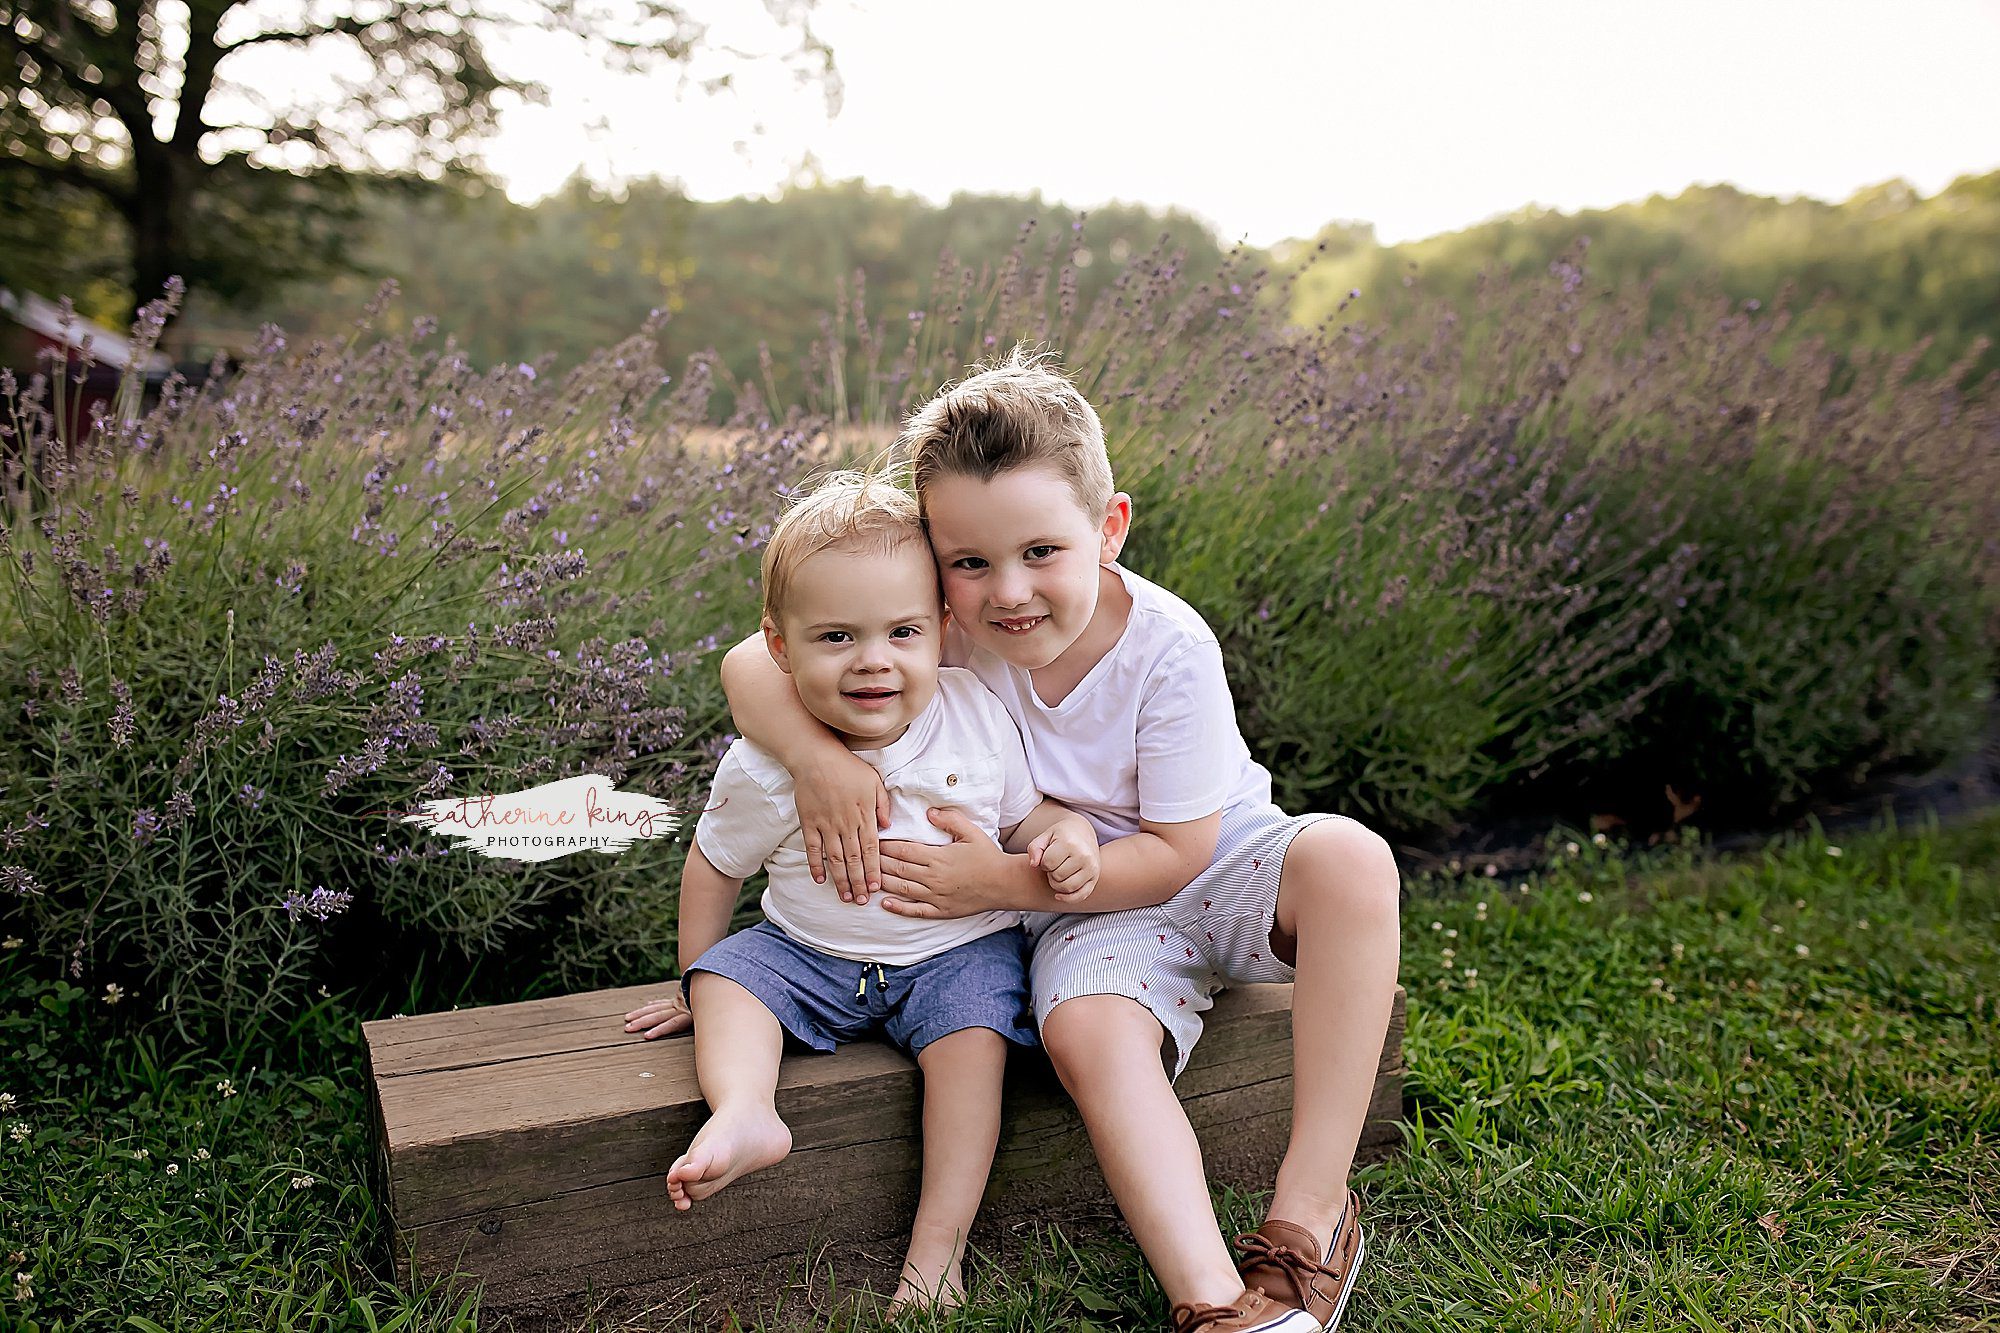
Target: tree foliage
(225,137)
(1887,268)
(584,267)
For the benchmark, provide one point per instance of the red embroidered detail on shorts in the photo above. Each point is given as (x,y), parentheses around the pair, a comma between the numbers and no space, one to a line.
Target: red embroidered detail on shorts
(1211,935)
(1067,938)
(1144,986)
(1055,998)
(1206,904)
(1181,1003)
(1163,939)
(1255,956)
(1111,958)
(1255,864)
(1190,953)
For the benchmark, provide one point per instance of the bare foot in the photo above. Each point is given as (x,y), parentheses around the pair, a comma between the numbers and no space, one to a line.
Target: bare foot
(930,1286)
(731,1144)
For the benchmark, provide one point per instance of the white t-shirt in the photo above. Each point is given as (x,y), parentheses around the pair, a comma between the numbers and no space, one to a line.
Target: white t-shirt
(1149,733)
(961,751)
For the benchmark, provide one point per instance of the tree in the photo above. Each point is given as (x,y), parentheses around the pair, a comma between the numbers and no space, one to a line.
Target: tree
(235,182)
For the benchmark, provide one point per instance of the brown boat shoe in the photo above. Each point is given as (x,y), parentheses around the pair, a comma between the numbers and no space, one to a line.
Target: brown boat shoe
(1252,1312)
(1278,1263)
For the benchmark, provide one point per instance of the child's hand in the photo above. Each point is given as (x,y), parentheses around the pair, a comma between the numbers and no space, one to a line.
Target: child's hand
(661,1018)
(1067,854)
(841,809)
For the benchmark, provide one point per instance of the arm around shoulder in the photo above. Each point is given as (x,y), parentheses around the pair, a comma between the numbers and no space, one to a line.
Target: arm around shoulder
(841,800)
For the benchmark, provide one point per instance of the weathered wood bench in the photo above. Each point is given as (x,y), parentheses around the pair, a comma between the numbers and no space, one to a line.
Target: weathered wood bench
(527,1145)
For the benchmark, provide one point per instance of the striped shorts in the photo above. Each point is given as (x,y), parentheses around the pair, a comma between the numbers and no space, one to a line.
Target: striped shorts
(1175,957)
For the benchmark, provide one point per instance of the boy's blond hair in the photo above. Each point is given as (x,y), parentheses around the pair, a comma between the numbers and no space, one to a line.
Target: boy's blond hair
(847,509)
(1011,414)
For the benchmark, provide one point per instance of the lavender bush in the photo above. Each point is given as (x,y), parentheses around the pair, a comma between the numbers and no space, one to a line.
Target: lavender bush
(1543,539)
(247,626)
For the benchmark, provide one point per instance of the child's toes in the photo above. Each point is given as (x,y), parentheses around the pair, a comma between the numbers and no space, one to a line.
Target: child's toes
(687,1169)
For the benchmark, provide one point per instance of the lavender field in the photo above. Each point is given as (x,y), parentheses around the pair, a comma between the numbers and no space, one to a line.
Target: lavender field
(1544,552)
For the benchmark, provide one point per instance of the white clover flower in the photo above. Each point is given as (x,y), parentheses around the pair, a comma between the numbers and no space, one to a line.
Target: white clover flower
(1777,928)
(173,1168)
(201,1154)
(1471,973)
(1437,925)
(141,1154)
(227,1087)
(1833,851)
(6,1101)
(1862,924)
(12,942)
(1658,983)
(19,1131)
(303,1182)
(1451,934)
(1801,950)
(1492,871)
(1585,896)
(1679,949)
(24,1288)
(1572,849)
(113,993)
(1598,840)
(1481,907)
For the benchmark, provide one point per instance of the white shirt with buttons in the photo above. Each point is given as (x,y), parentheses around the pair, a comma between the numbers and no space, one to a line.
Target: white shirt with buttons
(963,750)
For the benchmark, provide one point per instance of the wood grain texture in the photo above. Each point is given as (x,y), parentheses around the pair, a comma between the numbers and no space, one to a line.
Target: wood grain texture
(527,1144)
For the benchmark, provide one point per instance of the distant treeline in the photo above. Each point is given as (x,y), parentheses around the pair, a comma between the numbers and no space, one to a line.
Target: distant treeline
(1884,270)
(1887,268)
(582,269)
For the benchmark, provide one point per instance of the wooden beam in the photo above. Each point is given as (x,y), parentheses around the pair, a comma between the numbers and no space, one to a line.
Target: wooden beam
(527,1144)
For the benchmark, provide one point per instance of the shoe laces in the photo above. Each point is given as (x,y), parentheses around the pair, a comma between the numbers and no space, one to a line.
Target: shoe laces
(1297,1268)
(1191,1318)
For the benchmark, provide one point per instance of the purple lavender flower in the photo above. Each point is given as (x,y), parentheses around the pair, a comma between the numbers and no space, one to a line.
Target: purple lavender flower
(322,904)
(17,881)
(146,825)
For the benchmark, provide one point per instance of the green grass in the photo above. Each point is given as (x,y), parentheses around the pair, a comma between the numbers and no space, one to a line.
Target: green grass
(1759,1093)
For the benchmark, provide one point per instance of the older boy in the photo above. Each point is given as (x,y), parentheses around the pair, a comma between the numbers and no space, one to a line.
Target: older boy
(852,616)
(1118,688)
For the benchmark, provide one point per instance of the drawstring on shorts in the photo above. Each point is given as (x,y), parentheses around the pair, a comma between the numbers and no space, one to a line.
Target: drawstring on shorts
(881,981)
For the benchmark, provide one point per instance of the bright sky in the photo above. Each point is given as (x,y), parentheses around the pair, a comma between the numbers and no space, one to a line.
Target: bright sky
(1270,118)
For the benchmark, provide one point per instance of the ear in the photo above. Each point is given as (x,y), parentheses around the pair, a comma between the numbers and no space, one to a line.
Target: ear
(774,643)
(1117,526)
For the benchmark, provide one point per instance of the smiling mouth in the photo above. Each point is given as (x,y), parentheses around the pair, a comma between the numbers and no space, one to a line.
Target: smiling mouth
(871,696)
(1020,626)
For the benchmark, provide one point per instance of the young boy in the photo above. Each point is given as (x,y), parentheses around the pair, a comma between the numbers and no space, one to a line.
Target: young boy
(1118,689)
(852,617)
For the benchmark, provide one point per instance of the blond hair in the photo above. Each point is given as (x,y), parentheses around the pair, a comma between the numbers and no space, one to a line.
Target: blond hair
(846,509)
(1014,413)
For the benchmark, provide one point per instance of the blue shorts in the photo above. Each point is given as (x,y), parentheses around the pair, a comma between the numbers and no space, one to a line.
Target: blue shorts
(823,1001)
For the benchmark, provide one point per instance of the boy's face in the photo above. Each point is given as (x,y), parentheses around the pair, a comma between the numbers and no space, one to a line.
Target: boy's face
(861,635)
(1019,559)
